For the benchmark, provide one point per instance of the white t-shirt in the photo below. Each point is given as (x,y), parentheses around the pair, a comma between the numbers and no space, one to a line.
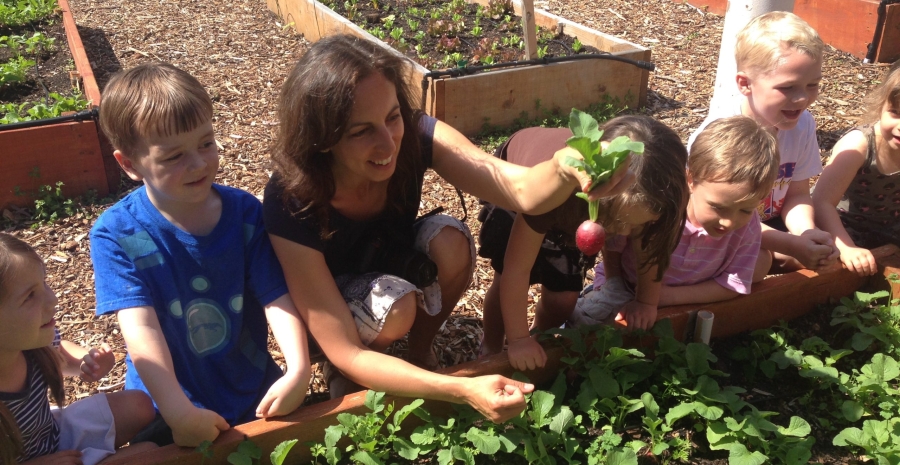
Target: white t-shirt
(799,152)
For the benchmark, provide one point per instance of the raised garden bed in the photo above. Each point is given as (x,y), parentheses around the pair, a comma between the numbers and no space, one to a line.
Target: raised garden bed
(780,298)
(503,95)
(68,152)
(848,25)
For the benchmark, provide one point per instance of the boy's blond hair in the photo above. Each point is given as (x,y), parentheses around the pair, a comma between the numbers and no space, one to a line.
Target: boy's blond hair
(151,99)
(736,150)
(766,38)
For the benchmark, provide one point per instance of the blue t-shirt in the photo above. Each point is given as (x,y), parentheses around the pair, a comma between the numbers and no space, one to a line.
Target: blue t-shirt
(208,293)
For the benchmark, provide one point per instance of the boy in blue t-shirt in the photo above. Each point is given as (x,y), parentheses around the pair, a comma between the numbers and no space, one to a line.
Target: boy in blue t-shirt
(188,269)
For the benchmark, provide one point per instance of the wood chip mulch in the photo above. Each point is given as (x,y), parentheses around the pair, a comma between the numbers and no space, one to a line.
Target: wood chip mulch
(242,53)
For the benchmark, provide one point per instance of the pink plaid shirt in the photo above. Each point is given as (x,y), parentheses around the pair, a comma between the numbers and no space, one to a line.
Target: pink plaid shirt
(729,259)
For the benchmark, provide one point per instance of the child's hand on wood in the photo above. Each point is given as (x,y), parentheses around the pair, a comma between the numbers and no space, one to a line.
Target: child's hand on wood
(284,396)
(97,363)
(816,249)
(526,354)
(859,260)
(195,426)
(638,315)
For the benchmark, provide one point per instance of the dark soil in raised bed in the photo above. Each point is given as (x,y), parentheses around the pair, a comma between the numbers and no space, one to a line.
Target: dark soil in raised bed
(444,35)
(51,70)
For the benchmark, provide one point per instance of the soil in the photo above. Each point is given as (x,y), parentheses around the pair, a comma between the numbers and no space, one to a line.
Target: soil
(242,53)
(440,37)
(51,70)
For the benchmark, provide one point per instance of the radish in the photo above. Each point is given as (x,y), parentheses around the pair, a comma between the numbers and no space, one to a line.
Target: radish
(599,163)
(590,237)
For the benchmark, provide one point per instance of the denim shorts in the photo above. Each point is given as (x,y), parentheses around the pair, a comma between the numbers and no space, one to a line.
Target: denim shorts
(370,296)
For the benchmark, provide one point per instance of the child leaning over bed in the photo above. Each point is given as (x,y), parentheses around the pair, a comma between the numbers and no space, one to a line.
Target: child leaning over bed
(540,249)
(188,269)
(732,166)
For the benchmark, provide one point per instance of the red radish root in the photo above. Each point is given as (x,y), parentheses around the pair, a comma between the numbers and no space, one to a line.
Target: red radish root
(590,237)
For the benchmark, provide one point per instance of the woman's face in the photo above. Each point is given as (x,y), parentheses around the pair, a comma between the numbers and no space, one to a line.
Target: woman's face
(367,151)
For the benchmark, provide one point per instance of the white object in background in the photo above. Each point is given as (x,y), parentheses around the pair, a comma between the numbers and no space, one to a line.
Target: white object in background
(739,13)
(703,328)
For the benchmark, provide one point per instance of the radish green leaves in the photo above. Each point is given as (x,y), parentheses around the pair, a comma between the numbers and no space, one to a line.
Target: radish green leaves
(598,162)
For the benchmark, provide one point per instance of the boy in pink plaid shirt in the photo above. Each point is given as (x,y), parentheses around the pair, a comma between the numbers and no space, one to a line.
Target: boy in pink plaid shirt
(732,166)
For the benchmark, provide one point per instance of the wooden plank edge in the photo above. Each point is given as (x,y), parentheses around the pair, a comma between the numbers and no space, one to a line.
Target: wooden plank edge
(434,99)
(889,42)
(549,20)
(803,289)
(79,140)
(79,55)
(308,423)
(645,81)
(609,43)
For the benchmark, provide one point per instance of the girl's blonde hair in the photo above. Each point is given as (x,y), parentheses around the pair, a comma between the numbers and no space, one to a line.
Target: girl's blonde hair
(766,38)
(888,92)
(660,185)
(12,252)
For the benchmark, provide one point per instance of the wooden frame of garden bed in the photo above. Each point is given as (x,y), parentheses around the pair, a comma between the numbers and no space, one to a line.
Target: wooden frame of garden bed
(848,25)
(502,95)
(778,298)
(68,152)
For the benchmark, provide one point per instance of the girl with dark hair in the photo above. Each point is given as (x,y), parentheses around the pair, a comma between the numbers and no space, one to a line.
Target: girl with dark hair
(350,158)
(540,249)
(33,359)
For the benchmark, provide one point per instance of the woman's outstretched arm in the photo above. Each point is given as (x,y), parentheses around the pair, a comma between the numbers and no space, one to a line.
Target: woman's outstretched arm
(533,190)
(314,292)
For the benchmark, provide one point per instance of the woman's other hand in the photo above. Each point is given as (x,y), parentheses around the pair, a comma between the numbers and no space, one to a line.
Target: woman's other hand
(497,397)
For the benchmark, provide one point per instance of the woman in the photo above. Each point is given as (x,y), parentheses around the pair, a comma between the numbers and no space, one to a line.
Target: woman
(350,157)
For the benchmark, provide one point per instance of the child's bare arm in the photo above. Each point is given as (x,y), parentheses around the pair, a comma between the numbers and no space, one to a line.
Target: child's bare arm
(700,293)
(612,263)
(290,332)
(846,159)
(72,355)
(153,361)
(521,252)
(641,312)
(797,211)
(813,247)
(91,365)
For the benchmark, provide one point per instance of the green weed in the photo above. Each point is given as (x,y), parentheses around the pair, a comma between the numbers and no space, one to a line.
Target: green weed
(55,106)
(14,13)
